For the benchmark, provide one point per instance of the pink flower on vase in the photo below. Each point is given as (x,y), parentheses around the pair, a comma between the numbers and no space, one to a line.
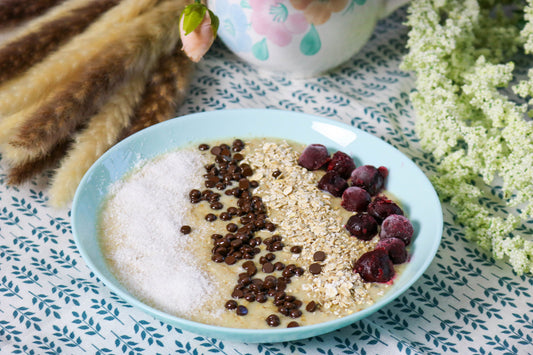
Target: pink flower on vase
(271,18)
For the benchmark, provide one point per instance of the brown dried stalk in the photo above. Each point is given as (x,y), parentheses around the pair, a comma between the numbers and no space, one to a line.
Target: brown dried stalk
(44,78)
(144,40)
(23,172)
(13,12)
(18,55)
(149,101)
(91,142)
(164,92)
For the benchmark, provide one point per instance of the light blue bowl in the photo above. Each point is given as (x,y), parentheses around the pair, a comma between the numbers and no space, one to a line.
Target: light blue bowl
(405,181)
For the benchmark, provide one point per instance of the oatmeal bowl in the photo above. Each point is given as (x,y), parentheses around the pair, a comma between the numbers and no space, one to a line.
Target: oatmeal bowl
(256,225)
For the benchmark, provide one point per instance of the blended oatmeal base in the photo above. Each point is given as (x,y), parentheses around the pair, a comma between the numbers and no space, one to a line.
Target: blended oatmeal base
(184,281)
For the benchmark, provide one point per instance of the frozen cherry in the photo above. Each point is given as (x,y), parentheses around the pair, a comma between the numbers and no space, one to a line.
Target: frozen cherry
(314,156)
(342,164)
(395,248)
(369,178)
(381,207)
(333,183)
(362,226)
(397,226)
(355,199)
(375,266)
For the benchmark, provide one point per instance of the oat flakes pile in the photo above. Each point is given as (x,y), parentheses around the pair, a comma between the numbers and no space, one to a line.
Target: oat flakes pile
(308,217)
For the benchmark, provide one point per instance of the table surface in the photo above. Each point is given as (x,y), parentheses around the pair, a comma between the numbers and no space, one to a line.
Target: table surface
(466,302)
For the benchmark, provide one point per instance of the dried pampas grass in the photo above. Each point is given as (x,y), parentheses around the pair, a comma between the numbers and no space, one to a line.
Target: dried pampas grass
(137,105)
(149,36)
(100,134)
(65,63)
(47,33)
(122,72)
(23,172)
(13,12)
(164,92)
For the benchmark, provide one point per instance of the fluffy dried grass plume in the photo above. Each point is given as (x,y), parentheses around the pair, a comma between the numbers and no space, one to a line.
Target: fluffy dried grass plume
(65,63)
(47,33)
(13,12)
(148,37)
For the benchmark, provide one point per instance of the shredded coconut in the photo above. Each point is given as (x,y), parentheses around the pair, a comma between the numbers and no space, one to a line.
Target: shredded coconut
(142,221)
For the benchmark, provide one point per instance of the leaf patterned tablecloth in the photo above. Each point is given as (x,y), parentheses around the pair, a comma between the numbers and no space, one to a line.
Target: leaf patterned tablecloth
(51,302)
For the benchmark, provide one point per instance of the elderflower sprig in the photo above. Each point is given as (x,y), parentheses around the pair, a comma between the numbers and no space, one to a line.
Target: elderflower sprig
(457,49)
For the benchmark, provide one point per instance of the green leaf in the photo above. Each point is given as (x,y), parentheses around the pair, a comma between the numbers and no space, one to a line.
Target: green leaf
(192,16)
(214,22)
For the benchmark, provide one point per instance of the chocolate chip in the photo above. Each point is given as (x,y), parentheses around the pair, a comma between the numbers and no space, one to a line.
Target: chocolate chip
(230,260)
(216,150)
(311,306)
(244,184)
(250,267)
(210,217)
(203,146)
(242,310)
(273,320)
(279,266)
(231,304)
(237,293)
(217,258)
(216,206)
(261,297)
(225,216)
(270,256)
(270,226)
(195,194)
(296,249)
(276,173)
(319,256)
(293,324)
(270,282)
(232,227)
(295,313)
(268,267)
(287,273)
(185,229)
(315,268)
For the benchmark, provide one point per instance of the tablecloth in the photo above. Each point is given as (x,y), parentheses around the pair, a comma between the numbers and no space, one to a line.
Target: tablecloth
(466,302)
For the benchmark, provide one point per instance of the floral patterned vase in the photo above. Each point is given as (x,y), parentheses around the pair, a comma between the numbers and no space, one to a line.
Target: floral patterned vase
(301,38)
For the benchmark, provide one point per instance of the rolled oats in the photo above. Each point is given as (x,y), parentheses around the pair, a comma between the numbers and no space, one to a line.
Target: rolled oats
(310,218)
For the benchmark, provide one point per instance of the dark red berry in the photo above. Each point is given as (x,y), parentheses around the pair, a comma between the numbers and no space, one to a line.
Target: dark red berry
(397,226)
(362,226)
(314,156)
(381,207)
(355,199)
(342,163)
(395,248)
(333,183)
(375,266)
(369,178)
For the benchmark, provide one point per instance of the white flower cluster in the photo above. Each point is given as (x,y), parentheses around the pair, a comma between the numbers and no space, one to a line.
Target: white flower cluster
(458,50)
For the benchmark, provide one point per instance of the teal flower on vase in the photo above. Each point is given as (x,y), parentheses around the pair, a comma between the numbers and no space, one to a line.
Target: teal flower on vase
(233,26)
